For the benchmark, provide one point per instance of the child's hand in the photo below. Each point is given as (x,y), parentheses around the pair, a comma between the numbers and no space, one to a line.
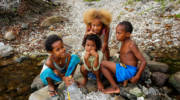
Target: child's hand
(87,55)
(68,81)
(90,32)
(94,53)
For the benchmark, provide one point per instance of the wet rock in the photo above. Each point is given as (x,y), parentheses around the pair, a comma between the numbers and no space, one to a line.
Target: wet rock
(5,50)
(136,91)
(23,90)
(37,83)
(174,80)
(6,62)
(157,66)
(159,78)
(52,20)
(9,35)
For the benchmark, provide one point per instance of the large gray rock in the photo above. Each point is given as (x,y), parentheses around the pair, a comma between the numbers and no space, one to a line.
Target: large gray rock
(157,66)
(174,80)
(42,94)
(37,83)
(5,50)
(159,78)
(52,20)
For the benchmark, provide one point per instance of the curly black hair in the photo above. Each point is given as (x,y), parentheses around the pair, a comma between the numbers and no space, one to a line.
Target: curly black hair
(128,26)
(94,38)
(50,40)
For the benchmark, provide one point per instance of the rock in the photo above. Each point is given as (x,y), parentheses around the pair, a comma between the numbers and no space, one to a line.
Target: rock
(114,52)
(119,98)
(9,35)
(136,91)
(52,20)
(24,26)
(174,80)
(166,90)
(6,62)
(42,94)
(145,55)
(159,78)
(125,93)
(5,50)
(42,62)
(21,59)
(157,66)
(146,76)
(54,32)
(91,85)
(153,91)
(37,83)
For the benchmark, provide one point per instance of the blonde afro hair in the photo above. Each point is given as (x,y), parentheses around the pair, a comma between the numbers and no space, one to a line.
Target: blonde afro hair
(101,14)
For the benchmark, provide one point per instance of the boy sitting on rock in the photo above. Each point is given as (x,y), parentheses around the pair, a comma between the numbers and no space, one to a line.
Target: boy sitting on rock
(129,56)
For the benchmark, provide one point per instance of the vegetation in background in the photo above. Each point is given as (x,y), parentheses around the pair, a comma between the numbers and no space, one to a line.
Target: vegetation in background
(91,0)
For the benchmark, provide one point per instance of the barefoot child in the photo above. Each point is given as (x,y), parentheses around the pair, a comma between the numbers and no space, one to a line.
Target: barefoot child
(97,22)
(129,56)
(58,65)
(92,57)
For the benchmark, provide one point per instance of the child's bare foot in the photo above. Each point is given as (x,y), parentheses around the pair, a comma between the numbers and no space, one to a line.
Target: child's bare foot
(125,83)
(111,90)
(100,86)
(52,91)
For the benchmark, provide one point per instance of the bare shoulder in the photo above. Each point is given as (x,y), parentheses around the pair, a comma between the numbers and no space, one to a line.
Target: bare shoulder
(132,45)
(49,62)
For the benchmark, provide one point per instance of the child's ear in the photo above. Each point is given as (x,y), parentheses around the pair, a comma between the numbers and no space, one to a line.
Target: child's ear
(128,34)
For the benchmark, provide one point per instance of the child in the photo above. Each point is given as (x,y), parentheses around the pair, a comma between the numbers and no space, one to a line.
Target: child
(97,22)
(92,57)
(129,56)
(58,65)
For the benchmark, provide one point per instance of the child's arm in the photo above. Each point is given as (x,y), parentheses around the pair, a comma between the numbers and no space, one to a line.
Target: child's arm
(106,38)
(142,60)
(86,57)
(49,63)
(95,54)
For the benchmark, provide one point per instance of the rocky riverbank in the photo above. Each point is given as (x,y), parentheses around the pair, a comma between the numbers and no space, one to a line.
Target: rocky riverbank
(156,27)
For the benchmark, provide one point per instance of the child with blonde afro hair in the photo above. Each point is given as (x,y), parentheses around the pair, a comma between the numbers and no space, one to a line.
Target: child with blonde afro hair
(97,22)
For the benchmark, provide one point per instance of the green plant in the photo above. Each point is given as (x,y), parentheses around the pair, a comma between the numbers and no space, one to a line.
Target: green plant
(177,15)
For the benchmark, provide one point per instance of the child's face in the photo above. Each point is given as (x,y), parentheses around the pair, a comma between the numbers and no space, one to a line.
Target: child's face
(120,33)
(90,45)
(58,49)
(96,26)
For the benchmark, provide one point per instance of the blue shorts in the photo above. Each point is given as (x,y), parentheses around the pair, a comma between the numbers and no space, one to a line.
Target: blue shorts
(125,73)
(48,72)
